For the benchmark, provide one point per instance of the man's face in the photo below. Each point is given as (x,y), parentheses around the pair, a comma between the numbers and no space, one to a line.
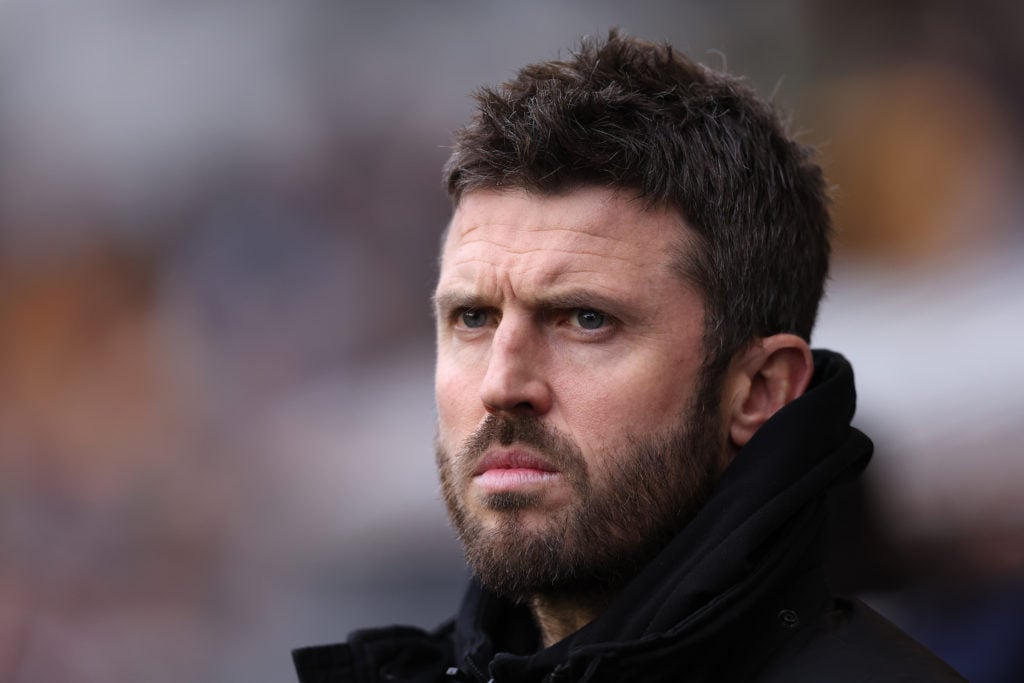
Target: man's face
(575,436)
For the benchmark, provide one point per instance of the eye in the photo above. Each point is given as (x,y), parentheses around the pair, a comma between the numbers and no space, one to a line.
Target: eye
(473,318)
(589,319)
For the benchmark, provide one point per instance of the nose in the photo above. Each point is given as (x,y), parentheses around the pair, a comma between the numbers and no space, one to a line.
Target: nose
(515,380)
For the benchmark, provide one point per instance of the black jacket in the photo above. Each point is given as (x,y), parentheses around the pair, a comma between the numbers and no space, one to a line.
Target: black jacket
(739,595)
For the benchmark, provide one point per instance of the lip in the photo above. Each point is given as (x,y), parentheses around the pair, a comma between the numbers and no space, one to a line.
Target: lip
(515,459)
(516,470)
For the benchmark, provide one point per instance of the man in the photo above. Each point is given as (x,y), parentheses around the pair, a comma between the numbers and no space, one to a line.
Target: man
(635,441)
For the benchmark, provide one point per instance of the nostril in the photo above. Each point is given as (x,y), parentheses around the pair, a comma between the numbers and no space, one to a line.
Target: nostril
(525,406)
(520,407)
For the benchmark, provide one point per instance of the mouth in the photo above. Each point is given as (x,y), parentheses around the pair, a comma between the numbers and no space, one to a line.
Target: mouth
(515,459)
(506,470)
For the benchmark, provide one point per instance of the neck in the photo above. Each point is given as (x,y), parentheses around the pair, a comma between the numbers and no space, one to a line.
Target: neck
(559,617)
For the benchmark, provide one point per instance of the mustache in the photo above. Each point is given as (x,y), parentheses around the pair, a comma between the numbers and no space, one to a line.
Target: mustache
(556,448)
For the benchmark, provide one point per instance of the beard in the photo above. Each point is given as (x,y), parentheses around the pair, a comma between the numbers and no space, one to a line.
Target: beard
(649,487)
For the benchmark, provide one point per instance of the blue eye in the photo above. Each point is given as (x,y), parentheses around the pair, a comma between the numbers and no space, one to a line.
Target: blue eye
(589,320)
(473,318)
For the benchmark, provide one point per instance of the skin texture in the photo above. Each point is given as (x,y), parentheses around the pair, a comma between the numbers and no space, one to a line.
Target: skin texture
(568,380)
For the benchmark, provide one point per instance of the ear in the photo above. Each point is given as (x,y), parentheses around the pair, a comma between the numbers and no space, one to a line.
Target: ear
(769,374)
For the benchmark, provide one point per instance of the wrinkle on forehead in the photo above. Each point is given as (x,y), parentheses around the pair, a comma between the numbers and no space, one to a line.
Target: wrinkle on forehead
(593,221)
(510,251)
(551,268)
(574,233)
(582,212)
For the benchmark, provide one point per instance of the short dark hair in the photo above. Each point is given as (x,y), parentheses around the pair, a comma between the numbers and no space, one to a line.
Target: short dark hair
(627,113)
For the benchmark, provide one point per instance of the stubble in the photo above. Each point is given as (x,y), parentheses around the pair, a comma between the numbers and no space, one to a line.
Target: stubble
(646,490)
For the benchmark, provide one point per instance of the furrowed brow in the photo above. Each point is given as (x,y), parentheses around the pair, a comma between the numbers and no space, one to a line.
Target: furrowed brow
(579,299)
(446,302)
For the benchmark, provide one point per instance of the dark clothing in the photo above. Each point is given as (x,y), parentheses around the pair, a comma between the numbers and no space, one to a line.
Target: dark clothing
(739,594)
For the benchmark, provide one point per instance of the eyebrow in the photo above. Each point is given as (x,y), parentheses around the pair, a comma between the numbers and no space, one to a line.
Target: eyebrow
(568,299)
(454,300)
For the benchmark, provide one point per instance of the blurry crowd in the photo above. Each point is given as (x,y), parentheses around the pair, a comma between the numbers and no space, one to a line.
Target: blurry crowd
(218,226)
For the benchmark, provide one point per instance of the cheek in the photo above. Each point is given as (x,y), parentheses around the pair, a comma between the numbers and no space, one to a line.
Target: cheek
(457,402)
(601,407)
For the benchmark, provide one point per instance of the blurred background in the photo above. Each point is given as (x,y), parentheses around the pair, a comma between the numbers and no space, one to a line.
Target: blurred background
(218,225)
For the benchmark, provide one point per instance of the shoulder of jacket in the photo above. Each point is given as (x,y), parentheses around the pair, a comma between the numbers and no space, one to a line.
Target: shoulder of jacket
(852,642)
(371,654)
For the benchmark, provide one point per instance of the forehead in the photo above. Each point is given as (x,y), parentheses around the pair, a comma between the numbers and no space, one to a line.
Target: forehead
(595,232)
